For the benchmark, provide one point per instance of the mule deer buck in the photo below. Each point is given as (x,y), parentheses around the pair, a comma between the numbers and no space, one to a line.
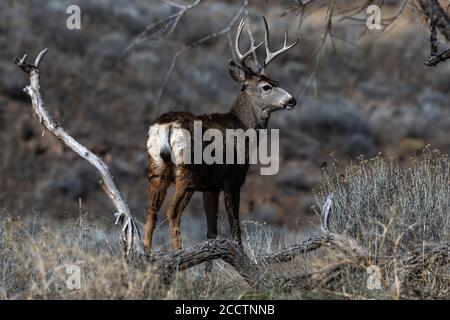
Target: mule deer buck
(258,98)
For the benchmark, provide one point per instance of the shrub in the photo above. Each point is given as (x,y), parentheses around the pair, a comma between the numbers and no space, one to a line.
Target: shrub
(392,209)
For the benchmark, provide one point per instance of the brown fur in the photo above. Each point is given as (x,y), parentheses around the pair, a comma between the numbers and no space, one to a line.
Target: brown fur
(210,179)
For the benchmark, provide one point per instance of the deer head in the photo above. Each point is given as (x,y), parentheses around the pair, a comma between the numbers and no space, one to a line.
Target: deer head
(260,95)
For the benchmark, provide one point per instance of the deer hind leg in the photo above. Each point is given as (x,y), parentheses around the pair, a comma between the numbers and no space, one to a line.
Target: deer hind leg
(211,204)
(156,195)
(179,202)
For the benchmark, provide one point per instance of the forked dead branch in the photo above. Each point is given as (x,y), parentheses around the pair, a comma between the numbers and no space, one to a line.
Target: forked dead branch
(352,255)
(130,232)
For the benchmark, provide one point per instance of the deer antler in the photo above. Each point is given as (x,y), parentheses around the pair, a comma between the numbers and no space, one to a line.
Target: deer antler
(272,55)
(252,49)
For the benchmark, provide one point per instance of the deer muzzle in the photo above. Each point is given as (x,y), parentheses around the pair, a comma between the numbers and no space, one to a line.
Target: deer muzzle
(290,104)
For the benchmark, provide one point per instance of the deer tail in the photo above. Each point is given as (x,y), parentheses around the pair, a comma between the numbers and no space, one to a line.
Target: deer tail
(165,150)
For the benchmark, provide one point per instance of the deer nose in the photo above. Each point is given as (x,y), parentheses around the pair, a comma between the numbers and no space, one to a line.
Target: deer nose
(291,103)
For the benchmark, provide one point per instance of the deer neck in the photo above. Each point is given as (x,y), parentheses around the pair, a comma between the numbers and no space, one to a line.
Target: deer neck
(244,109)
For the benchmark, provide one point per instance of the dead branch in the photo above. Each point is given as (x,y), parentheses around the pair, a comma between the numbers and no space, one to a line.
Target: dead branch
(196,43)
(437,16)
(325,238)
(165,27)
(255,272)
(435,57)
(130,232)
(226,250)
(431,9)
(439,20)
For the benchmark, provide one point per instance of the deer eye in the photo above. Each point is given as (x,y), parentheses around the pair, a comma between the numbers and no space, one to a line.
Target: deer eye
(267,87)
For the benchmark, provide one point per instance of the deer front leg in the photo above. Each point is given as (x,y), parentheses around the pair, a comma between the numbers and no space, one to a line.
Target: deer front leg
(232,199)
(211,204)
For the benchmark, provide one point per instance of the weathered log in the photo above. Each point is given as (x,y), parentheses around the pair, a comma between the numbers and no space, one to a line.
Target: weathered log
(254,272)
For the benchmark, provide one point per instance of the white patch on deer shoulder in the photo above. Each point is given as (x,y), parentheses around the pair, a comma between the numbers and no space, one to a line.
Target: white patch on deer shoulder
(158,143)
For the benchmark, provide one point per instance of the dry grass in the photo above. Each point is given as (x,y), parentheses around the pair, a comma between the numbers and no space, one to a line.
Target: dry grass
(388,209)
(391,210)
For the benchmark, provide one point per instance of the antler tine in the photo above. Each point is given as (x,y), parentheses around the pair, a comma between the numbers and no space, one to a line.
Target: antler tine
(241,56)
(272,55)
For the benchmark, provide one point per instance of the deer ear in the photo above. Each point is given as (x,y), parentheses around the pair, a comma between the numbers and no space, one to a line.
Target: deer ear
(236,72)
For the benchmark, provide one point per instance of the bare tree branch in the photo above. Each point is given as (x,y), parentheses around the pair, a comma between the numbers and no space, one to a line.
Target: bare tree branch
(196,43)
(130,232)
(437,16)
(163,28)
(435,57)
(439,20)
(431,9)
(254,272)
